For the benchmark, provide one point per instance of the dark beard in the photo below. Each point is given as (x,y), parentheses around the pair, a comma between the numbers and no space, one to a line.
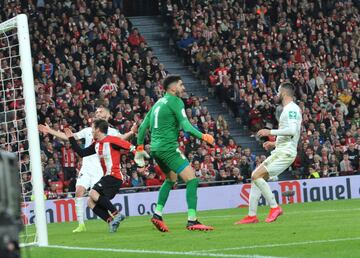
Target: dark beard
(179,94)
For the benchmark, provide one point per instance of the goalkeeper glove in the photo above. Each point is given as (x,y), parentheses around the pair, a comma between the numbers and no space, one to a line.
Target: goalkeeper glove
(208,138)
(140,154)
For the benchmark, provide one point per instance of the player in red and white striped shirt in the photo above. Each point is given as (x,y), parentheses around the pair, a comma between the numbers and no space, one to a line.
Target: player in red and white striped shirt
(91,171)
(108,150)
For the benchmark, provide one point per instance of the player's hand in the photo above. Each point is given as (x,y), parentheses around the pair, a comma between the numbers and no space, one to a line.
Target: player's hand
(268,145)
(263,133)
(208,138)
(134,128)
(68,133)
(140,156)
(45,128)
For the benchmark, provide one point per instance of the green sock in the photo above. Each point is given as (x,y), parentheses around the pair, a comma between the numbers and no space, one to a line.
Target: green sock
(191,197)
(163,195)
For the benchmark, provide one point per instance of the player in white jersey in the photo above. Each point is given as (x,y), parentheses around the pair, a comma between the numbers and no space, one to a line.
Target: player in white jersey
(91,171)
(280,159)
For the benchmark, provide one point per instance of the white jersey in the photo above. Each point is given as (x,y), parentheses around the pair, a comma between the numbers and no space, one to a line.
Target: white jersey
(93,160)
(289,122)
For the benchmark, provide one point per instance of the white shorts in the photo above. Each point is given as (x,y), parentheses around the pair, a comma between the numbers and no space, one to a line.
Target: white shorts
(87,178)
(278,162)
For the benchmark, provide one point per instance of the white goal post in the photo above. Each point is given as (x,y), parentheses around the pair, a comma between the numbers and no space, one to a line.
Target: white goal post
(20,23)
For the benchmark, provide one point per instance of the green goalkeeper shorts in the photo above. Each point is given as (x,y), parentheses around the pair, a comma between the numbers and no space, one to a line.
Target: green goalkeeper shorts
(171,160)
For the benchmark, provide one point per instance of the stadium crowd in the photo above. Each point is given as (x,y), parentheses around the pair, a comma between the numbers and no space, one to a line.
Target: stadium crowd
(87,54)
(89,57)
(244,49)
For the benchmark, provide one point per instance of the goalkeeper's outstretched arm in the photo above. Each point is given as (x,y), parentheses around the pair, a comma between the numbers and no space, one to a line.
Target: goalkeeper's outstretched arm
(179,110)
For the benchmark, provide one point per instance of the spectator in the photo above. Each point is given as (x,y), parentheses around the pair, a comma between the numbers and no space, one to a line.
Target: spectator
(151,180)
(51,172)
(26,186)
(52,193)
(69,165)
(345,166)
(245,168)
(353,156)
(313,58)
(313,173)
(222,176)
(135,39)
(236,176)
(241,51)
(136,181)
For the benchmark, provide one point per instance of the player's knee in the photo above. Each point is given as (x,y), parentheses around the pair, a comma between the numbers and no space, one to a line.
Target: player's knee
(94,195)
(255,176)
(90,203)
(187,174)
(172,176)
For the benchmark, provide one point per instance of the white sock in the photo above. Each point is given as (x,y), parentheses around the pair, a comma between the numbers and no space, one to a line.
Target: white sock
(266,191)
(79,206)
(255,195)
(158,213)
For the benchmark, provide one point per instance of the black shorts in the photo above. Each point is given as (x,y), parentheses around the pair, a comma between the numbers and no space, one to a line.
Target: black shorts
(108,186)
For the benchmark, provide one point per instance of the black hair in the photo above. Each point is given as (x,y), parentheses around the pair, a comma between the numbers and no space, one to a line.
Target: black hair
(289,87)
(102,125)
(170,79)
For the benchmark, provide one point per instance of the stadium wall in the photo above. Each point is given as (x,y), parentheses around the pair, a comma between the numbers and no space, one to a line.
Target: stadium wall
(209,198)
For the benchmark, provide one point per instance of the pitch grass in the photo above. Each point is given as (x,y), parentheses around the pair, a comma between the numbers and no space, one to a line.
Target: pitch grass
(332,220)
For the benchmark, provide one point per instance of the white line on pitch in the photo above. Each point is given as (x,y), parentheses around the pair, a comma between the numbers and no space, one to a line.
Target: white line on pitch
(157,252)
(28,244)
(282,244)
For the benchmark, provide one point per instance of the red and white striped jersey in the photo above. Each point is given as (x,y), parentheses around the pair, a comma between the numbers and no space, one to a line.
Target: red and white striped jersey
(92,161)
(68,158)
(108,151)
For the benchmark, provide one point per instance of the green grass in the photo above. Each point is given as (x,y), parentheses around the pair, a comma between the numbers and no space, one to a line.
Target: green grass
(332,220)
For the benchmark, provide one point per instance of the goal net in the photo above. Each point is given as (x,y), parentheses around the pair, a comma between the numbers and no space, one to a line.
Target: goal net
(18,124)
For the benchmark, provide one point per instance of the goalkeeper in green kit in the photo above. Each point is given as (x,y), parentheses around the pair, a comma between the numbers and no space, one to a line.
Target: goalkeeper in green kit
(164,120)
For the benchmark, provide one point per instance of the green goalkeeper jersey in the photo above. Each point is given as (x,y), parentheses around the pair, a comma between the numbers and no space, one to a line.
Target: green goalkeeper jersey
(164,120)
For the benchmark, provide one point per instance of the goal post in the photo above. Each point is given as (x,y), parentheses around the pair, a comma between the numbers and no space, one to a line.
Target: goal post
(32,128)
(20,23)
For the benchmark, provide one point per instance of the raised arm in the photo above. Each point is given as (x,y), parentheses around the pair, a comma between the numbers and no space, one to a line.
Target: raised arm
(45,128)
(74,145)
(179,110)
(128,135)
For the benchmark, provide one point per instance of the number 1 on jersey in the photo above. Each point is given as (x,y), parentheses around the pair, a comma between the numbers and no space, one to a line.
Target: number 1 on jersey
(156,112)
